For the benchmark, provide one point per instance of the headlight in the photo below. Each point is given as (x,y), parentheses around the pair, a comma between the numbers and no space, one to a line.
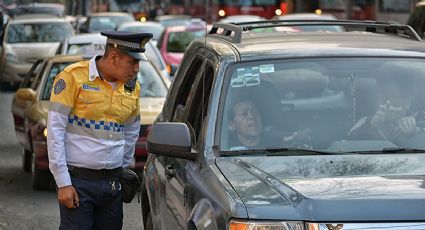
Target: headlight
(265,225)
(11,57)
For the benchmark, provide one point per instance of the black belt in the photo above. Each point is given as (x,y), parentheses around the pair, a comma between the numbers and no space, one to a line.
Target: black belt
(93,174)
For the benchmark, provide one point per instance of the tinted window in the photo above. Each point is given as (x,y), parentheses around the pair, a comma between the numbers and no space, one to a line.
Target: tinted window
(38,32)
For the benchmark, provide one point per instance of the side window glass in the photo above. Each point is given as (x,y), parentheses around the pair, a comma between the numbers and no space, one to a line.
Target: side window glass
(199,102)
(186,88)
(29,77)
(39,76)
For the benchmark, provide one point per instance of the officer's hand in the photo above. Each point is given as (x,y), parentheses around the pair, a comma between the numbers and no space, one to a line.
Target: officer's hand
(68,197)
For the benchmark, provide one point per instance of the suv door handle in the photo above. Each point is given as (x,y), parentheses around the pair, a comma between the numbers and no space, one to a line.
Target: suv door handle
(169,171)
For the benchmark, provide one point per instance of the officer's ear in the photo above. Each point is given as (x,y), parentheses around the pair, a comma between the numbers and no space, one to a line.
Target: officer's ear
(115,56)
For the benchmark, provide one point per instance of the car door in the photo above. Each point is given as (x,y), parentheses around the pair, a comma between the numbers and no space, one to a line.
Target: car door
(164,212)
(181,174)
(19,106)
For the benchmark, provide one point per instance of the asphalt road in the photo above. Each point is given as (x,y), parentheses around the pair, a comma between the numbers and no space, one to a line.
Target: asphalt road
(21,207)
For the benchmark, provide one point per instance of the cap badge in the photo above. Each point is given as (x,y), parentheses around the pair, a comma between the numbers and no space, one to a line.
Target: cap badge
(115,45)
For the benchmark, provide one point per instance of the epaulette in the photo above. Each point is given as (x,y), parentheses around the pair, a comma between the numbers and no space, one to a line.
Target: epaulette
(80,64)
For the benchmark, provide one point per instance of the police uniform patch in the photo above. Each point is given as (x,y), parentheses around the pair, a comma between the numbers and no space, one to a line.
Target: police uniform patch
(89,86)
(59,86)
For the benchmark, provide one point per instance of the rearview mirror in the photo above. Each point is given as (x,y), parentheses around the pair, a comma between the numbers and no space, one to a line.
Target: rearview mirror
(26,94)
(170,139)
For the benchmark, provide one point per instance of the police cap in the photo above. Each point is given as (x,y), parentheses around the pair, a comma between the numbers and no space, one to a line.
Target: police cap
(130,43)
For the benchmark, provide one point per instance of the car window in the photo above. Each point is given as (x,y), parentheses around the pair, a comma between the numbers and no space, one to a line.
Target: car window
(174,22)
(98,23)
(55,69)
(183,92)
(38,32)
(155,30)
(154,56)
(30,76)
(199,102)
(178,41)
(150,80)
(86,49)
(325,104)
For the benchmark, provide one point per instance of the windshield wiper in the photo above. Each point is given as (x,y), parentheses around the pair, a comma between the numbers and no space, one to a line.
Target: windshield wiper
(279,152)
(390,150)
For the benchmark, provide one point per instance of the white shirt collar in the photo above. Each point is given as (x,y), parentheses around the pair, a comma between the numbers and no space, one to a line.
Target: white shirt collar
(93,73)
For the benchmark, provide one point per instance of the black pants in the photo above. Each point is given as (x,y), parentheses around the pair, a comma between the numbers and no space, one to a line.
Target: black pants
(100,205)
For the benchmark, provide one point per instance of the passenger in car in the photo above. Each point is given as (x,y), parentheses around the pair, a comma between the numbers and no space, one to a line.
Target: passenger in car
(395,119)
(245,125)
(246,129)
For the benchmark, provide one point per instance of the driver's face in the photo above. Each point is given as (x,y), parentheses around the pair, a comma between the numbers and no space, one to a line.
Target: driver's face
(246,120)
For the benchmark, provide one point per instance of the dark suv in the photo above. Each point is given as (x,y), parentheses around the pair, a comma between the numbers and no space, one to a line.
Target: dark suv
(292,130)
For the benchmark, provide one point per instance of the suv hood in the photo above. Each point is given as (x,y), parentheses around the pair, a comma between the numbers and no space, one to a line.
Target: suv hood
(28,51)
(329,187)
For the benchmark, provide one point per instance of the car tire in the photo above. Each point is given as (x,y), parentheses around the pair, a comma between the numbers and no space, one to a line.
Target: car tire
(149,223)
(26,160)
(40,178)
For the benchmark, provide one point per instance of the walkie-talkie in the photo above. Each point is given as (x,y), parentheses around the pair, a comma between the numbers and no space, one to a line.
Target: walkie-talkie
(130,86)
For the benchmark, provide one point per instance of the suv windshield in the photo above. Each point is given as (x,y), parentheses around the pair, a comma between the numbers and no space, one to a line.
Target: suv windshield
(325,104)
(38,32)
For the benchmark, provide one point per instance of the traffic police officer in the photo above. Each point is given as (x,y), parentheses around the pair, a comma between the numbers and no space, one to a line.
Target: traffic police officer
(93,125)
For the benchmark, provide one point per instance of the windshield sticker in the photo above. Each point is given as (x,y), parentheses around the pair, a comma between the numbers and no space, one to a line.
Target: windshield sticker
(269,68)
(246,77)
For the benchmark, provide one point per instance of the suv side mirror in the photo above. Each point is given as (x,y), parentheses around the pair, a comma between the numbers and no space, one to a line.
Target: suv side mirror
(170,139)
(26,94)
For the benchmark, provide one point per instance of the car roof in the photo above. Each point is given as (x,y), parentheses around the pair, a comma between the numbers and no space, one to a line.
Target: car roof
(141,24)
(306,16)
(192,26)
(304,44)
(86,38)
(66,58)
(327,43)
(99,14)
(171,17)
(241,18)
(34,18)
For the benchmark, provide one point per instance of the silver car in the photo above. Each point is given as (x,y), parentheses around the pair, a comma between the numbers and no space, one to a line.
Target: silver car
(28,38)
